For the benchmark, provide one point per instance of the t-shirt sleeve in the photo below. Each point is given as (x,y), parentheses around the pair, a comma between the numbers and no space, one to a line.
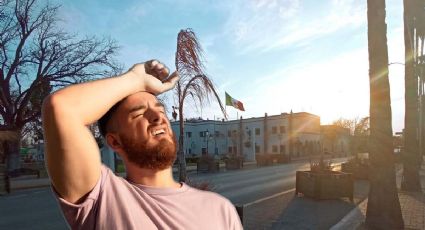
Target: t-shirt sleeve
(82,215)
(235,221)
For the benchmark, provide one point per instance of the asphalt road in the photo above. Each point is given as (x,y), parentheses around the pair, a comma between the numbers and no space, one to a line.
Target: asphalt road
(251,184)
(30,209)
(38,209)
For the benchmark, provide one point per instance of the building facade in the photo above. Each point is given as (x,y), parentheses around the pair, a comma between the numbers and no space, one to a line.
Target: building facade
(291,134)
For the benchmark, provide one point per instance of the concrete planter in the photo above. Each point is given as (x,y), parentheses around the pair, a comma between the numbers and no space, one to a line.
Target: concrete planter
(233,163)
(269,159)
(4,181)
(263,159)
(280,158)
(38,168)
(359,171)
(207,164)
(325,184)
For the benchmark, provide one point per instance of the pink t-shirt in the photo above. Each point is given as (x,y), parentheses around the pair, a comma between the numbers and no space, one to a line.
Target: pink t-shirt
(115,203)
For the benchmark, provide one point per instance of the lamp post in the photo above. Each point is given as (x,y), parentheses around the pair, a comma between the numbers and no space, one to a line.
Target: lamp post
(207,135)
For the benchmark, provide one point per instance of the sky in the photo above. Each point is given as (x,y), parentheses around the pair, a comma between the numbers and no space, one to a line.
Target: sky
(273,55)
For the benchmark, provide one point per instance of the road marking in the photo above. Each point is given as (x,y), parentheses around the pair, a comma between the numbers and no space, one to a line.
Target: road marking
(18,196)
(269,197)
(39,192)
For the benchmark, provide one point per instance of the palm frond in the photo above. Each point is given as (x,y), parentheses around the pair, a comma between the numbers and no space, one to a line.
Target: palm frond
(200,89)
(189,54)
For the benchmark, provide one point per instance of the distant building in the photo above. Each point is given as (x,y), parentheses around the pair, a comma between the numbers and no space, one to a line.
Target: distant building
(291,134)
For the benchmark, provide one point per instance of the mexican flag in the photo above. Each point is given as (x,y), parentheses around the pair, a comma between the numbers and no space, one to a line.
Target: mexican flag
(233,102)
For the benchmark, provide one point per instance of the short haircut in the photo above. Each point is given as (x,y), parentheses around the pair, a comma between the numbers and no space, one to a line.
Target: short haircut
(104,120)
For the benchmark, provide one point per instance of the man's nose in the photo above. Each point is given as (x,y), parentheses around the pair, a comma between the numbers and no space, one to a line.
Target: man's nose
(154,116)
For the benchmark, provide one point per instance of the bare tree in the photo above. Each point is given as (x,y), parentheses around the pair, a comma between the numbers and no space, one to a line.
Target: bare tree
(383,207)
(346,123)
(359,132)
(36,57)
(193,83)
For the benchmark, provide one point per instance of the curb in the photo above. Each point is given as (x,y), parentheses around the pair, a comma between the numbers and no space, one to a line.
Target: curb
(352,220)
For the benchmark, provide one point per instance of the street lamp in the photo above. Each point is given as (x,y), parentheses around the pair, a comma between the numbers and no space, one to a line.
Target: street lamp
(207,135)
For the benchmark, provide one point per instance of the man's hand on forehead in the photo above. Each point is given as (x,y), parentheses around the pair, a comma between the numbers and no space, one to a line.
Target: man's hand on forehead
(156,69)
(155,75)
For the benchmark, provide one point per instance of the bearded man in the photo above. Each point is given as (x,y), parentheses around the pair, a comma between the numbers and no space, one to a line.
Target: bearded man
(135,126)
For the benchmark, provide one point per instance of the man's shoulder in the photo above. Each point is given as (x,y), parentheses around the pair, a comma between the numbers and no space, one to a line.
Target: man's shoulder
(210,196)
(108,176)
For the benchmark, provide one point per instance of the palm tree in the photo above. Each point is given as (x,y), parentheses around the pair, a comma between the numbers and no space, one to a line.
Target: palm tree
(411,156)
(383,208)
(193,83)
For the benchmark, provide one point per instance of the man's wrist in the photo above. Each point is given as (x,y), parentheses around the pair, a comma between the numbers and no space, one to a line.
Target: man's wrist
(135,80)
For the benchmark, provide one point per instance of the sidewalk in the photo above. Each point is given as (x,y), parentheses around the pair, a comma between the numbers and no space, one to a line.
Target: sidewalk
(412,208)
(286,211)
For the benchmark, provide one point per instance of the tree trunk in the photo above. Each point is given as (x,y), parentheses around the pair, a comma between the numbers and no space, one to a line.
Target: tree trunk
(12,150)
(383,209)
(182,158)
(4,179)
(411,156)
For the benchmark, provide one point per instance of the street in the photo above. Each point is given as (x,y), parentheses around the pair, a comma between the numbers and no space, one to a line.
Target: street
(37,208)
(248,185)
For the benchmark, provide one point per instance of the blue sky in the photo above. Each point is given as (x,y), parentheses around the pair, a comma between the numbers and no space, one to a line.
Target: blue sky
(273,55)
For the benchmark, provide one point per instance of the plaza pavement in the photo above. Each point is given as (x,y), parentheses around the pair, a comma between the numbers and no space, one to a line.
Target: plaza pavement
(412,208)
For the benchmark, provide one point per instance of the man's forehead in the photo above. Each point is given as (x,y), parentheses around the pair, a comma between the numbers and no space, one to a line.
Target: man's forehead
(140,98)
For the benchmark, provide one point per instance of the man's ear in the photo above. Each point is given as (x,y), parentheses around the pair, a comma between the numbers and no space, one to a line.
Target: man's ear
(114,142)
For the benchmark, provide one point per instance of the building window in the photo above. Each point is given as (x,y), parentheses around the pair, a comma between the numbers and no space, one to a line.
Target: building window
(204,151)
(202,134)
(230,149)
(189,134)
(274,130)
(274,148)
(229,133)
(257,131)
(257,149)
(282,149)
(216,133)
(282,129)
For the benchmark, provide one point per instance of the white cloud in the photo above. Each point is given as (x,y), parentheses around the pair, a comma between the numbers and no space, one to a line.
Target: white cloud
(138,11)
(267,25)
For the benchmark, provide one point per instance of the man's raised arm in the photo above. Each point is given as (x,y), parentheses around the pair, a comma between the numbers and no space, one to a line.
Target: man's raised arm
(72,155)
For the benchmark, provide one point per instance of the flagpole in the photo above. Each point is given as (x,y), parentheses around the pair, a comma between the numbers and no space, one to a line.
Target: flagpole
(225,112)
(225,106)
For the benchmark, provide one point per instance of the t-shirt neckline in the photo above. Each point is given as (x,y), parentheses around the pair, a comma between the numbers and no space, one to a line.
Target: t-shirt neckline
(162,191)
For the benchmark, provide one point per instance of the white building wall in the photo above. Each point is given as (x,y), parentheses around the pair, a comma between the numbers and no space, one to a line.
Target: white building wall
(253,133)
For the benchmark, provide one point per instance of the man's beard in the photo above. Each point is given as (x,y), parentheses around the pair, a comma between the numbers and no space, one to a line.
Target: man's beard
(156,157)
